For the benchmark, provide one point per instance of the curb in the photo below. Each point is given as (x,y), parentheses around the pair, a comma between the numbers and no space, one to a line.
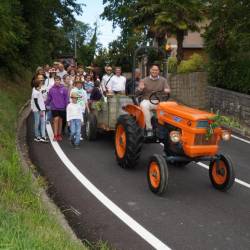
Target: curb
(28,167)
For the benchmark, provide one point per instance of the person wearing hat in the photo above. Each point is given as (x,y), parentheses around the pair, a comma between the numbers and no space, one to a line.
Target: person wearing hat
(82,96)
(74,120)
(106,78)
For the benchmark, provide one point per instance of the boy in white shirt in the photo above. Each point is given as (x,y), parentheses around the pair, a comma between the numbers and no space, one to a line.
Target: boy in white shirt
(38,108)
(75,120)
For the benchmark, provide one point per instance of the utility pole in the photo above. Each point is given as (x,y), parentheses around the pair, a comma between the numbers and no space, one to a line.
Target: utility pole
(75,44)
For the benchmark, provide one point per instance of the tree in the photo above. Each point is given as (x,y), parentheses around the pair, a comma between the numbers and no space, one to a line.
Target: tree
(13,33)
(227,40)
(156,18)
(33,30)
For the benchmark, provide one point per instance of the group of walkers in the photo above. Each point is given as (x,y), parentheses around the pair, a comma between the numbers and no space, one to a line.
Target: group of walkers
(62,97)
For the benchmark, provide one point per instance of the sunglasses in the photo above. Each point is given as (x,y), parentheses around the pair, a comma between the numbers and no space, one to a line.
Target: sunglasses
(73,97)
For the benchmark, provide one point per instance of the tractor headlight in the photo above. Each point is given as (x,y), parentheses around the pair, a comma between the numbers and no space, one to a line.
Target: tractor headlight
(175,136)
(226,135)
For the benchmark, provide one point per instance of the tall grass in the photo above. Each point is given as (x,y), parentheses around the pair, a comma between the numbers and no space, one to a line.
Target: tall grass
(24,221)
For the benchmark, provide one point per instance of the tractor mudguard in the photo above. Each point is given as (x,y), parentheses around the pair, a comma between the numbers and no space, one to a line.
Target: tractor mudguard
(136,112)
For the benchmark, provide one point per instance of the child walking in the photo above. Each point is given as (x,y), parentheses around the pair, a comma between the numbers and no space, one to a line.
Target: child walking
(75,120)
(58,101)
(38,108)
(82,99)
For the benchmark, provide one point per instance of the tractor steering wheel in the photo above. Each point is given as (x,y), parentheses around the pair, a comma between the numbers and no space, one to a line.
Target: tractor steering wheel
(158,96)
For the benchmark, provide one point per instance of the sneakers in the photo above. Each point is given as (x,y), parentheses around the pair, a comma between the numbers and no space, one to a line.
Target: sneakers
(150,133)
(37,139)
(55,138)
(43,139)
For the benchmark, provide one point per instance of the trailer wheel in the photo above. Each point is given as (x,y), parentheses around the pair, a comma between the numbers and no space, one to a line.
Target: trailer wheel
(128,141)
(157,174)
(91,127)
(223,176)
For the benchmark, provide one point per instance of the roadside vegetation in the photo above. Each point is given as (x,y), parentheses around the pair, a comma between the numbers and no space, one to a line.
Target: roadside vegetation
(193,64)
(25,223)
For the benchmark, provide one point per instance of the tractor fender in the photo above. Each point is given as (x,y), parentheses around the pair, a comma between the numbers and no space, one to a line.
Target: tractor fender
(136,112)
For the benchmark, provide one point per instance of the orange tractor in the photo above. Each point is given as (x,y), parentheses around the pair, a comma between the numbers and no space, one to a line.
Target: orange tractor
(184,134)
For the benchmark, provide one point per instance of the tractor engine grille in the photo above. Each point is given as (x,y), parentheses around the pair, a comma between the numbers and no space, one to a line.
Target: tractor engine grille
(200,139)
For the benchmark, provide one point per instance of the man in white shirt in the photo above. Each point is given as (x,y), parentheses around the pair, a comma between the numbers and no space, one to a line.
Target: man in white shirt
(117,83)
(61,71)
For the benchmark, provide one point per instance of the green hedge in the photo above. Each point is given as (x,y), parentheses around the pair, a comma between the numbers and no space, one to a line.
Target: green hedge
(194,64)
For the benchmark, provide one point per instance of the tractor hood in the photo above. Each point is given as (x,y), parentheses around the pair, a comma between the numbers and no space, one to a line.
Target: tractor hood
(183,111)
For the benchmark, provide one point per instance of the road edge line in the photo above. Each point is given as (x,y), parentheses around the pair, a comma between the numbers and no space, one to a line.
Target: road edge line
(240,139)
(127,219)
(243,183)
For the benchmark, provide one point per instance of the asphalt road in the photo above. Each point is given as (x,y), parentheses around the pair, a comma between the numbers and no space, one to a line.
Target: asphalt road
(190,215)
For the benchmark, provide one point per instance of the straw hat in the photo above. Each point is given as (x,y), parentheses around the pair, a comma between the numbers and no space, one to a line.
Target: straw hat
(74,95)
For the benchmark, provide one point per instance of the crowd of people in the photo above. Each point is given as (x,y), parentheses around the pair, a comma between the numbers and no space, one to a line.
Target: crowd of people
(63,96)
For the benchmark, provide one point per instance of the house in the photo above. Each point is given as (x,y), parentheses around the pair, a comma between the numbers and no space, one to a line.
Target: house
(193,43)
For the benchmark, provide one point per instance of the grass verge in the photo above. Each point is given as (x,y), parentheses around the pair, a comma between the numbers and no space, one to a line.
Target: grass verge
(24,221)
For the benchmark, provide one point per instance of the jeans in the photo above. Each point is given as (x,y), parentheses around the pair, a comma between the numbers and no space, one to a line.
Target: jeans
(75,131)
(48,116)
(39,125)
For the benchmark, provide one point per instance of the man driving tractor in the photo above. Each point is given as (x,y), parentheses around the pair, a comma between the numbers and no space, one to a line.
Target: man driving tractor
(154,82)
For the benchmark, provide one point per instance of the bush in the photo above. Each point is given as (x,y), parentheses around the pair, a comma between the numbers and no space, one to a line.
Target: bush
(172,65)
(195,63)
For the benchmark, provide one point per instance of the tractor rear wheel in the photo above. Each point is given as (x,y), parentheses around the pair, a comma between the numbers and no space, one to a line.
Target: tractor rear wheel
(222,176)
(157,174)
(128,141)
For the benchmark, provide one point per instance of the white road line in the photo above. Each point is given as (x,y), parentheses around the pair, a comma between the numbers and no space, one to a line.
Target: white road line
(241,139)
(128,220)
(243,183)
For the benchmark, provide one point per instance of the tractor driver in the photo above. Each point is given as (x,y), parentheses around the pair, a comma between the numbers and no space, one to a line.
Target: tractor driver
(148,85)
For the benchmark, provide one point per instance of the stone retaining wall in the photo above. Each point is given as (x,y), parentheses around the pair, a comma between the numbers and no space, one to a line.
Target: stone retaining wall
(189,89)
(230,103)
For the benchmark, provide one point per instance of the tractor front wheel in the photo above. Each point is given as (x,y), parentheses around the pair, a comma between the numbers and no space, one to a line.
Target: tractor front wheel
(221,173)
(128,141)
(157,174)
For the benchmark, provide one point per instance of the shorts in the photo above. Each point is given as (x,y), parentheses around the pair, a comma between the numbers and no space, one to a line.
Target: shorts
(60,113)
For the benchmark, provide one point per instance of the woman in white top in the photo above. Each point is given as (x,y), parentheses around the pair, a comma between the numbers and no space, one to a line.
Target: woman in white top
(38,108)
